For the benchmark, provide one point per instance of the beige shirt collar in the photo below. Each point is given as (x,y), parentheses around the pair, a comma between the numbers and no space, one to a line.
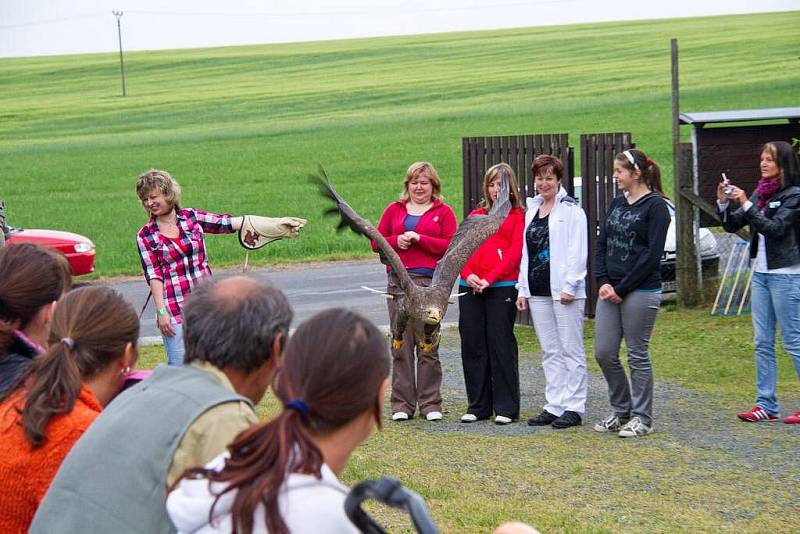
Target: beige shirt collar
(218,374)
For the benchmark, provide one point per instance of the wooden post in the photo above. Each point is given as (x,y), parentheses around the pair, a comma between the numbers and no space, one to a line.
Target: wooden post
(687,273)
(2,224)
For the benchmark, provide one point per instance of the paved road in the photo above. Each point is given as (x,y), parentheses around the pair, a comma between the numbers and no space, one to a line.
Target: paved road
(316,286)
(309,287)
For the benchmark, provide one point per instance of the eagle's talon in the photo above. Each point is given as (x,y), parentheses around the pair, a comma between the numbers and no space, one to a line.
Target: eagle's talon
(426,347)
(397,343)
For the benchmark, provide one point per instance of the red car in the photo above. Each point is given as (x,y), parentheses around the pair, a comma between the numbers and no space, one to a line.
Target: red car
(78,249)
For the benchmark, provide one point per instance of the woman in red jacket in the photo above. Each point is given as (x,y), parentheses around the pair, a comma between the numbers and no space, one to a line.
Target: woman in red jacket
(419,227)
(487,311)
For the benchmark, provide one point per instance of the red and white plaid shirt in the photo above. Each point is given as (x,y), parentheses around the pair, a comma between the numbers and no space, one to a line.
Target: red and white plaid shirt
(179,267)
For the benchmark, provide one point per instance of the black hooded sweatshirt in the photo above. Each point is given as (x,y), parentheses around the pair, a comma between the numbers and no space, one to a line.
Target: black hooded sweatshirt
(631,243)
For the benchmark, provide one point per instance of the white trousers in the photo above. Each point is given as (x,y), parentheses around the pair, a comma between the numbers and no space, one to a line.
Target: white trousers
(559,328)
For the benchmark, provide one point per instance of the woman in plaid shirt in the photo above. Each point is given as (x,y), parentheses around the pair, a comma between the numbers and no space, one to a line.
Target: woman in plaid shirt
(173,252)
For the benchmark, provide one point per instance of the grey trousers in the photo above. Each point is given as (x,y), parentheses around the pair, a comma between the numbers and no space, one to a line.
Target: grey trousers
(632,320)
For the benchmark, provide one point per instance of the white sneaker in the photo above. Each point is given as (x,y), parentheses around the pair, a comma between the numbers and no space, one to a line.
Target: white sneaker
(433,416)
(399,416)
(635,428)
(469,418)
(502,420)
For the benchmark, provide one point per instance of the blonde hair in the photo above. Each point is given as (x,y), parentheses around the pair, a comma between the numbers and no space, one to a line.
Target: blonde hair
(162,182)
(422,168)
(513,185)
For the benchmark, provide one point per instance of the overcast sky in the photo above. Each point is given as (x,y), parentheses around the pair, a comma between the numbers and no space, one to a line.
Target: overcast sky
(43,27)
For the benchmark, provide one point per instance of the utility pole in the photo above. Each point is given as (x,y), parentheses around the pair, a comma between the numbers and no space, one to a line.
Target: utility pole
(118,14)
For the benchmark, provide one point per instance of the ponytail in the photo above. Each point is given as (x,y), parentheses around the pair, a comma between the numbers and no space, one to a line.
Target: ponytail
(652,178)
(260,459)
(56,385)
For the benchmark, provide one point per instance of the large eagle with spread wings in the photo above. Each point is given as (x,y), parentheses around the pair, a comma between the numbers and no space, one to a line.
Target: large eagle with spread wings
(426,304)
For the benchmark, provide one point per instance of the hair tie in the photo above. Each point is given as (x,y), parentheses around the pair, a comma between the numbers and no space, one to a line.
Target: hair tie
(299,406)
(650,163)
(67,342)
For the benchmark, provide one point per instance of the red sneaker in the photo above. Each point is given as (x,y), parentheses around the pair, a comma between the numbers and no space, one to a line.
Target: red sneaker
(758,415)
(793,419)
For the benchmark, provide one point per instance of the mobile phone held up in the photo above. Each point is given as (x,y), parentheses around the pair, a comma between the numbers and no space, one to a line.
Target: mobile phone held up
(728,189)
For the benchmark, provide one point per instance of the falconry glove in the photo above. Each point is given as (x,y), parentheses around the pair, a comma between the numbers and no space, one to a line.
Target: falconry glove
(257,231)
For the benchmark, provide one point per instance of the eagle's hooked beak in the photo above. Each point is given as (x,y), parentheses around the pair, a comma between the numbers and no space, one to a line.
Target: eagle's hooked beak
(433,317)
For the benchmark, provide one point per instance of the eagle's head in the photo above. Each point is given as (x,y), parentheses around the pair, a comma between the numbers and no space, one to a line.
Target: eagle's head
(432,315)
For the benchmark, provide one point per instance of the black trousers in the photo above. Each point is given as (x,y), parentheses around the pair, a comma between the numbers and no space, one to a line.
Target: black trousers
(489,351)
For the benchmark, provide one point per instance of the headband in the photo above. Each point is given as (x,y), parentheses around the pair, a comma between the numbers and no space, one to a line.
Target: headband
(629,156)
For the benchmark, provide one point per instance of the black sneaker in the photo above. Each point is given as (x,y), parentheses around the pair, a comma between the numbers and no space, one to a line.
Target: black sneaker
(567,420)
(543,419)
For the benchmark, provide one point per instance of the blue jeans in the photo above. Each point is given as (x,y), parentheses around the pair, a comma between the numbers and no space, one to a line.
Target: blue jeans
(174,345)
(775,297)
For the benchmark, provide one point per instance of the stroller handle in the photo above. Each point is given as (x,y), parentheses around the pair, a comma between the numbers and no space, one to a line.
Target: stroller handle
(389,491)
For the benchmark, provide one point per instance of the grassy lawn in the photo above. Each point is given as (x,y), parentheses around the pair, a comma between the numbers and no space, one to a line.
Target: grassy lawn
(241,127)
(580,481)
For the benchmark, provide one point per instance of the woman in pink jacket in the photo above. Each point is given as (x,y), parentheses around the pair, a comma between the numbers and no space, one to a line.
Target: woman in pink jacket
(419,227)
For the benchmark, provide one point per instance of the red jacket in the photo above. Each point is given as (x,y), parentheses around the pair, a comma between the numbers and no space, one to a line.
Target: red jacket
(497,259)
(435,228)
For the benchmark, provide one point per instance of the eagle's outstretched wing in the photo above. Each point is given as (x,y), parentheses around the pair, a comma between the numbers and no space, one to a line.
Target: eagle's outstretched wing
(358,224)
(471,233)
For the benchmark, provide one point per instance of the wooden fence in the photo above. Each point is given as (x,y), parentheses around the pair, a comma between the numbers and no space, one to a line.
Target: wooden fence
(519,151)
(596,186)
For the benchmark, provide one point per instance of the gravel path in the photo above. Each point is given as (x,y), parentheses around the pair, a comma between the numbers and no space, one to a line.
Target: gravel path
(677,411)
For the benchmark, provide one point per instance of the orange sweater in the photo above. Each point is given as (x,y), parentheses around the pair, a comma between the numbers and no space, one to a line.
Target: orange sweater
(26,474)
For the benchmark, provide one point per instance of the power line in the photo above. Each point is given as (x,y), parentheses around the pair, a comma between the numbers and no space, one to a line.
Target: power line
(476,7)
(264,15)
(48,21)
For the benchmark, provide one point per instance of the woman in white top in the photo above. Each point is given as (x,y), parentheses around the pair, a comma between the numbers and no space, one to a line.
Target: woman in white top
(773,214)
(281,476)
(552,284)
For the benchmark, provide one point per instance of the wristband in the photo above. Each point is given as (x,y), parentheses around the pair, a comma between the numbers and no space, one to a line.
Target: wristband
(161,311)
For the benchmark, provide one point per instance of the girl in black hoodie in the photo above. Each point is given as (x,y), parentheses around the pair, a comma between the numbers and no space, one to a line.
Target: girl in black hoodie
(627,269)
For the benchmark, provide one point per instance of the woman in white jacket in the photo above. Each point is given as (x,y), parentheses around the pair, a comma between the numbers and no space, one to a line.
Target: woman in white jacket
(552,285)
(281,476)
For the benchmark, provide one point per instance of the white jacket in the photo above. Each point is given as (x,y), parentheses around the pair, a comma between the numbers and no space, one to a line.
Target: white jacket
(307,505)
(568,247)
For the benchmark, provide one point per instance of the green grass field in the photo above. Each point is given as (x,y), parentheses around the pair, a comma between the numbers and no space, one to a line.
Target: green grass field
(242,127)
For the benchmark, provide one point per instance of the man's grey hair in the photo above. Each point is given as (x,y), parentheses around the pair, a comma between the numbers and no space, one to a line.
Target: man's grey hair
(233,323)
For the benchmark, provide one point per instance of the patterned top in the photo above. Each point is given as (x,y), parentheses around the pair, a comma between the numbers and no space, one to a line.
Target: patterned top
(538,239)
(182,266)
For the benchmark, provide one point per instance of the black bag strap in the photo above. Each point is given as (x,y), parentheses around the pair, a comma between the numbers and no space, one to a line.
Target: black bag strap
(387,490)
